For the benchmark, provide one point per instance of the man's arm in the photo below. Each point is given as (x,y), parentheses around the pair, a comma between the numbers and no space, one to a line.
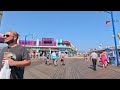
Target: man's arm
(22,63)
(17,63)
(25,61)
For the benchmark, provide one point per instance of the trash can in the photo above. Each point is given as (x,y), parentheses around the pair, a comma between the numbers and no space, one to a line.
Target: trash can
(112,61)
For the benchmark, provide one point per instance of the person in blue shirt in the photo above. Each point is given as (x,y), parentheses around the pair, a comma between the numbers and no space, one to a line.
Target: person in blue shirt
(107,58)
(47,58)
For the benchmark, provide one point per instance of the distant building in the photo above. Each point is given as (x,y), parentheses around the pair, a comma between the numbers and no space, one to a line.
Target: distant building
(49,45)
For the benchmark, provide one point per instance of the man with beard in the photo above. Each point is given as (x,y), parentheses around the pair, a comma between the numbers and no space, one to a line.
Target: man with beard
(19,57)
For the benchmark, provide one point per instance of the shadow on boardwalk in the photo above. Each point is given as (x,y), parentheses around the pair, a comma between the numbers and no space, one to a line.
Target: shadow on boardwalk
(74,68)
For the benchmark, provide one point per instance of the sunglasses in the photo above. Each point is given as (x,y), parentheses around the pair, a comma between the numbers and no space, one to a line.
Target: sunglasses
(6,35)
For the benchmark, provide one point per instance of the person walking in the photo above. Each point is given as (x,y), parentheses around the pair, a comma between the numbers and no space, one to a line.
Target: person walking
(62,59)
(47,58)
(94,57)
(103,59)
(107,58)
(54,58)
(19,57)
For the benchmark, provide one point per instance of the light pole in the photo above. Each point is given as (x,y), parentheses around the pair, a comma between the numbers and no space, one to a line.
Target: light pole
(114,34)
(1,13)
(26,37)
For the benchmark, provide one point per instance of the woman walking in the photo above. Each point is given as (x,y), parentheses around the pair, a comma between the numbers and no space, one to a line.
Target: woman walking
(103,59)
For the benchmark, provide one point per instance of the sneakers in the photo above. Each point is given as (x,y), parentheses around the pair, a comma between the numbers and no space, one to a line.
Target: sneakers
(63,64)
(94,69)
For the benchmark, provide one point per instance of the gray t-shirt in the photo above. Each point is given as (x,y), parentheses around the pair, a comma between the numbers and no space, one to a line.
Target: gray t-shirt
(18,53)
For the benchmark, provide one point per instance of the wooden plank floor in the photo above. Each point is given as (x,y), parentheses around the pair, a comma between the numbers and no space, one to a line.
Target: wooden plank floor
(75,68)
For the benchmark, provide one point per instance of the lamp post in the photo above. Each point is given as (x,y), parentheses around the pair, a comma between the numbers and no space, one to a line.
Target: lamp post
(1,13)
(114,34)
(26,37)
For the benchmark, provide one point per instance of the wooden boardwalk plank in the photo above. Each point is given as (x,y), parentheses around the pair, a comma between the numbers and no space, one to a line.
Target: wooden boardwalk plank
(75,68)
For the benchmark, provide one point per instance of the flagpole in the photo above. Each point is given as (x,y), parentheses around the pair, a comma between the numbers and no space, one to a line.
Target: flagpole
(26,37)
(116,49)
(114,35)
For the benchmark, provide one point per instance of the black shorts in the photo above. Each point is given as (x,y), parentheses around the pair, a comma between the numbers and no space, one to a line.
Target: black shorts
(61,60)
(47,57)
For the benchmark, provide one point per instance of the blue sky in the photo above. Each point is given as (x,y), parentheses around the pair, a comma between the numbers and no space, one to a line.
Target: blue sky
(85,29)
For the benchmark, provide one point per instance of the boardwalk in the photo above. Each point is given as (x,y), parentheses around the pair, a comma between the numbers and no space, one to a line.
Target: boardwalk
(75,68)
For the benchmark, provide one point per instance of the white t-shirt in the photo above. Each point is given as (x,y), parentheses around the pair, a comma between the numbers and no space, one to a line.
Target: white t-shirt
(53,54)
(94,55)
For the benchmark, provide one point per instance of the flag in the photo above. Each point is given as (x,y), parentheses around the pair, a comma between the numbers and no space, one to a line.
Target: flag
(107,22)
(100,46)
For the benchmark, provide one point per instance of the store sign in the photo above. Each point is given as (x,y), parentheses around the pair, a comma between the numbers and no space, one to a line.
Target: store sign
(47,42)
(28,42)
(66,42)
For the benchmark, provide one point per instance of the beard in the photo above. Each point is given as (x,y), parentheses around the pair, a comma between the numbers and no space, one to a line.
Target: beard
(10,42)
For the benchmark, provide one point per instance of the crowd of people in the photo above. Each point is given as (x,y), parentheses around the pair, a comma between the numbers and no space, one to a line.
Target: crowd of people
(55,58)
(49,56)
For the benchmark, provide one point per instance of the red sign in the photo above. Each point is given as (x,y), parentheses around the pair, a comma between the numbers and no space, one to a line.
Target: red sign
(66,42)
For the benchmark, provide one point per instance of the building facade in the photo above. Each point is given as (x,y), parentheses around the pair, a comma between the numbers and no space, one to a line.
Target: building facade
(49,45)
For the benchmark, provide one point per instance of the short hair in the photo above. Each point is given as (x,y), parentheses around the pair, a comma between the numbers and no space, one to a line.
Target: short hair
(14,33)
(103,50)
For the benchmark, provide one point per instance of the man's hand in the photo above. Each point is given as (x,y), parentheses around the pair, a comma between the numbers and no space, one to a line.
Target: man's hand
(11,62)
